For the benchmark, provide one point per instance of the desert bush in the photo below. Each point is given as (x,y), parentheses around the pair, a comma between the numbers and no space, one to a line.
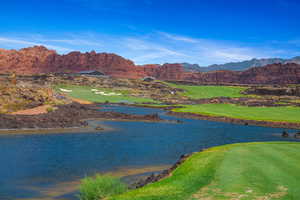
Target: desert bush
(50,109)
(100,187)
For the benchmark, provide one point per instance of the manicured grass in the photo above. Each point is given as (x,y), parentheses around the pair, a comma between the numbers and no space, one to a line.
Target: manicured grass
(85,93)
(277,114)
(239,171)
(202,92)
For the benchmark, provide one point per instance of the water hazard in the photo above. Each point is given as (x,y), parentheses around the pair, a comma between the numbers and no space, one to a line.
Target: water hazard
(49,166)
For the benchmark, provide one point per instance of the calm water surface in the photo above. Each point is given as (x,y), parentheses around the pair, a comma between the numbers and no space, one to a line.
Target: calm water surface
(48,166)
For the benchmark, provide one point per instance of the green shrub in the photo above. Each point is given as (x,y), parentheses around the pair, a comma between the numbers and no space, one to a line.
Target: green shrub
(99,187)
(50,109)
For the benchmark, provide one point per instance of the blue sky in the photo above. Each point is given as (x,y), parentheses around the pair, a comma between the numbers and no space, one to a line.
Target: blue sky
(156,31)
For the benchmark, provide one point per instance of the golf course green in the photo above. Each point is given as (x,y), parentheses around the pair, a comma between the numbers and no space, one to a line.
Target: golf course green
(209,91)
(86,93)
(244,171)
(275,114)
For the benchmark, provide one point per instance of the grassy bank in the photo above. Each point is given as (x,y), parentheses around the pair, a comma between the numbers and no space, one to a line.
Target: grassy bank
(240,171)
(86,93)
(203,92)
(276,114)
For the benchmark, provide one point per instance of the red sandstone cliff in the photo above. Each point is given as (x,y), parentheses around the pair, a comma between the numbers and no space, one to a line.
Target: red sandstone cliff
(32,60)
(38,59)
(270,74)
(165,71)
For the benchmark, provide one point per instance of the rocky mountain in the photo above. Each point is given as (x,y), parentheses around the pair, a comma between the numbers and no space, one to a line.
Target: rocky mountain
(39,60)
(239,66)
(288,73)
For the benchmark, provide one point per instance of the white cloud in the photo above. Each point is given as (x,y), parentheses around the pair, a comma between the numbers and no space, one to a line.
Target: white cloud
(232,56)
(156,47)
(179,38)
(73,42)
(10,41)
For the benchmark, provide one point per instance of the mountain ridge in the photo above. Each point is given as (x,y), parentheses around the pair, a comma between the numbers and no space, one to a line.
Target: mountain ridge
(40,60)
(239,66)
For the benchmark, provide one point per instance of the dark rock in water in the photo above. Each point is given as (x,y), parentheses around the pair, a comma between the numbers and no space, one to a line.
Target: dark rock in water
(99,128)
(297,135)
(154,117)
(284,134)
(246,124)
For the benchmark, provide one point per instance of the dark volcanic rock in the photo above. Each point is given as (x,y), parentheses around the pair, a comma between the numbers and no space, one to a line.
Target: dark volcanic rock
(72,115)
(284,134)
(297,135)
(157,177)
(274,91)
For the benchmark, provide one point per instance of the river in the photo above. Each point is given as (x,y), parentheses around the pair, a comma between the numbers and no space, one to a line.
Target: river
(49,166)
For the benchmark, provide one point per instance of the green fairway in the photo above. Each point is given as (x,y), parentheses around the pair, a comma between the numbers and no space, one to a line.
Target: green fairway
(203,92)
(240,171)
(85,93)
(276,114)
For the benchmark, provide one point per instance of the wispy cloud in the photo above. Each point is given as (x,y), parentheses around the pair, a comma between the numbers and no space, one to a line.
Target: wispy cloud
(73,42)
(179,38)
(23,43)
(146,51)
(157,47)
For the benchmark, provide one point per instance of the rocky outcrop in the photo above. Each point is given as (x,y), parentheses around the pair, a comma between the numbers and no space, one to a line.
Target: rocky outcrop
(38,59)
(270,74)
(274,91)
(32,60)
(157,177)
(66,116)
(165,71)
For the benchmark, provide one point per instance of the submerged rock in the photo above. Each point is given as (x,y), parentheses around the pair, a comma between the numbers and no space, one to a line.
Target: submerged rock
(297,135)
(284,134)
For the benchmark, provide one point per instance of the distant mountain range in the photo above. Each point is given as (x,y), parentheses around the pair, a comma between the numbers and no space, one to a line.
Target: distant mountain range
(239,66)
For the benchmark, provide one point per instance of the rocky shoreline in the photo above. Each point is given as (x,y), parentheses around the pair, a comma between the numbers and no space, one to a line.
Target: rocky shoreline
(67,116)
(157,177)
(235,120)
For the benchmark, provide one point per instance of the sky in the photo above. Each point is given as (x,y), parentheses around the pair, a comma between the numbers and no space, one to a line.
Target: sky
(156,31)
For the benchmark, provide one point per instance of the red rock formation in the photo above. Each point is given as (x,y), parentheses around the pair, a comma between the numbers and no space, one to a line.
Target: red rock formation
(31,60)
(165,71)
(270,74)
(38,59)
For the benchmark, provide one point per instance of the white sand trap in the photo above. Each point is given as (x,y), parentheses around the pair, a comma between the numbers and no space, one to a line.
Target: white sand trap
(64,90)
(108,94)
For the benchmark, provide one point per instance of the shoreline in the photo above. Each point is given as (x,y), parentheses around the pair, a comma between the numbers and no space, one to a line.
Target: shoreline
(70,118)
(272,124)
(94,113)
(286,125)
